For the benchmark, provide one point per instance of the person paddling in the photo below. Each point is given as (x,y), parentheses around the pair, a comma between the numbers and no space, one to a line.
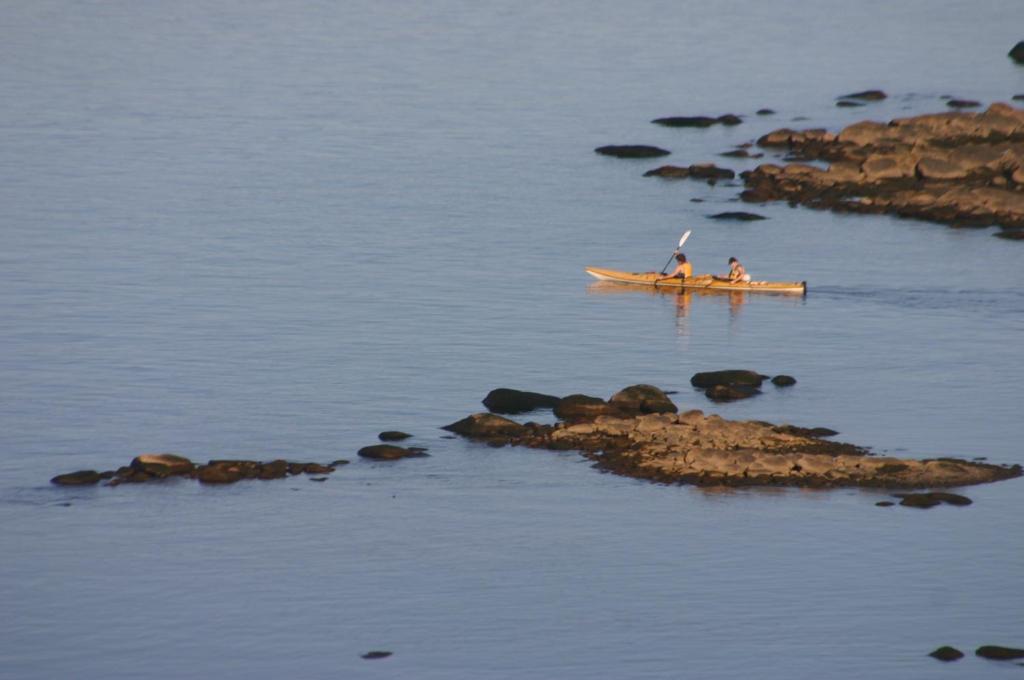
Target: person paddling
(683,270)
(736,272)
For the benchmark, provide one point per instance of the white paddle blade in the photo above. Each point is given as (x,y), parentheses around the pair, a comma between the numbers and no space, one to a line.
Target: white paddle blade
(682,239)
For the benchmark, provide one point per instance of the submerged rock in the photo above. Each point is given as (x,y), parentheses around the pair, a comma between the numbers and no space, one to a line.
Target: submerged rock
(1017,52)
(696,171)
(376,655)
(962,103)
(931,498)
(632,151)
(698,121)
(79,478)
(389,452)
(947,653)
(848,104)
(998,653)
(765,112)
(783,380)
(866,95)
(731,392)
(393,436)
(737,215)
(505,400)
(729,377)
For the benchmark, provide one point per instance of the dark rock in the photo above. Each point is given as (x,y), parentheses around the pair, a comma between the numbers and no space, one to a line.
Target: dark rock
(339,462)
(962,103)
(669,171)
(581,406)
(485,425)
(275,469)
(847,104)
(765,112)
(318,479)
(162,464)
(783,380)
(1017,53)
(885,504)
(730,377)
(1018,97)
(947,653)
(710,171)
(736,153)
(376,655)
(698,121)
(388,452)
(866,95)
(737,215)
(317,469)
(632,151)
(930,499)
(219,474)
(79,478)
(815,432)
(998,653)
(1011,234)
(731,392)
(393,436)
(640,399)
(505,400)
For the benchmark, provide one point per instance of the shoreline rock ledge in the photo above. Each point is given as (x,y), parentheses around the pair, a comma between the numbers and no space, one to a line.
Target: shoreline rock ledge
(962,169)
(694,448)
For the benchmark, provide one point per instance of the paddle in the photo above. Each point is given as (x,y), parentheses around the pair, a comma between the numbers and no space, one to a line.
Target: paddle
(682,240)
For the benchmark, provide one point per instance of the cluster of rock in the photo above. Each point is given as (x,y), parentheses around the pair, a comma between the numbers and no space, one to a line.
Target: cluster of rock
(993,652)
(158,466)
(732,385)
(706,171)
(639,432)
(965,169)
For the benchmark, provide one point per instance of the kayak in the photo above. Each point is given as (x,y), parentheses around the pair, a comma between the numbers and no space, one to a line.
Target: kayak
(701,281)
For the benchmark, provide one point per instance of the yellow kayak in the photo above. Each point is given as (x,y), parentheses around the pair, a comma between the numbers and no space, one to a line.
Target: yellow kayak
(701,281)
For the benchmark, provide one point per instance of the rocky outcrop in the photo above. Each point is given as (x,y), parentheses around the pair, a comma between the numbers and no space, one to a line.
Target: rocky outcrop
(964,169)
(707,171)
(150,467)
(706,449)
(698,121)
(505,400)
(632,151)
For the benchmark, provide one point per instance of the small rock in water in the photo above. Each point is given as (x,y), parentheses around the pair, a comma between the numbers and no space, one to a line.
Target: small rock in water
(737,215)
(962,103)
(388,452)
(631,151)
(731,392)
(698,121)
(998,653)
(783,380)
(581,406)
(339,462)
(729,377)
(947,653)
(1017,53)
(377,655)
(1018,97)
(866,95)
(847,104)
(505,400)
(318,479)
(932,498)
(393,436)
(79,478)
(765,112)
(639,399)
(885,504)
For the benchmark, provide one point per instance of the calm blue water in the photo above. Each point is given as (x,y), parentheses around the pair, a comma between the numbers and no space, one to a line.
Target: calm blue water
(275,229)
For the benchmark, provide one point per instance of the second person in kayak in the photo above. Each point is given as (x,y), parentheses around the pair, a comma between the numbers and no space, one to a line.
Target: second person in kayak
(737,273)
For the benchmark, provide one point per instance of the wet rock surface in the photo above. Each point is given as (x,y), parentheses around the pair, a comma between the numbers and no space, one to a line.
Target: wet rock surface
(698,121)
(997,653)
(151,467)
(631,151)
(947,653)
(505,400)
(390,452)
(737,216)
(706,171)
(695,448)
(958,168)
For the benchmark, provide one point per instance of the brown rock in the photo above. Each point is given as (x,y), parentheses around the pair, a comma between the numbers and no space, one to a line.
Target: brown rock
(932,167)
(79,478)
(866,95)
(581,406)
(728,377)
(505,400)
(162,464)
(388,452)
(481,425)
(639,399)
(731,392)
(219,474)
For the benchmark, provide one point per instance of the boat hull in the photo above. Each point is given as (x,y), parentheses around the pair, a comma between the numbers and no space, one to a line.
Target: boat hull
(703,282)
